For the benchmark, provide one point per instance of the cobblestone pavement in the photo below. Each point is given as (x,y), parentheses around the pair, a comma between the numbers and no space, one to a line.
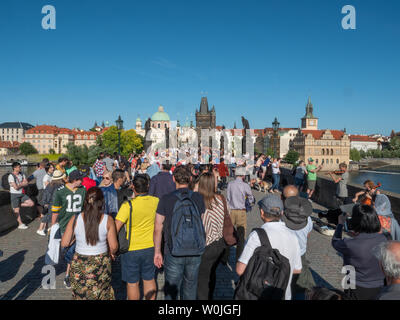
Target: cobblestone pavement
(24,250)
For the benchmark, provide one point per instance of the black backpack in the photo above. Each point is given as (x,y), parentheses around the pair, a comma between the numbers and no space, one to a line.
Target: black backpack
(267,274)
(4,181)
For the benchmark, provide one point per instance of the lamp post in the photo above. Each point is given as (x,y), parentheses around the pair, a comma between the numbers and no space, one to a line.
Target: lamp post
(275,126)
(120,126)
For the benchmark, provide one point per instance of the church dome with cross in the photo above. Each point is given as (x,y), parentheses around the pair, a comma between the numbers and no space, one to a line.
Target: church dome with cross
(160,119)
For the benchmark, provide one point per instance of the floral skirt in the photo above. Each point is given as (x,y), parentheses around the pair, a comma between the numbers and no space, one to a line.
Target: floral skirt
(90,277)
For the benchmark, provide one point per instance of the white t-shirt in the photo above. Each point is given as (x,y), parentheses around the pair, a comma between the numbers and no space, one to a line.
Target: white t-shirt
(275,168)
(11,179)
(302,235)
(46,180)
(281,238)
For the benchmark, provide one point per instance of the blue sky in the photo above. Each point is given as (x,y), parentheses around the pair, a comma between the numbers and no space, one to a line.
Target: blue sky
(259,59)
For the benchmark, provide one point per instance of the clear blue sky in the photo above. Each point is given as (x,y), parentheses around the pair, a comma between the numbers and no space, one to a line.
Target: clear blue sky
(259,59)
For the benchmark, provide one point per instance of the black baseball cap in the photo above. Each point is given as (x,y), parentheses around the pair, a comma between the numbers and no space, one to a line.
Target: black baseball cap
(75,175)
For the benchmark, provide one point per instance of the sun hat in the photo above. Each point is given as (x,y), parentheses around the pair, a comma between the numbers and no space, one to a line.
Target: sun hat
(296,212)
(58,175)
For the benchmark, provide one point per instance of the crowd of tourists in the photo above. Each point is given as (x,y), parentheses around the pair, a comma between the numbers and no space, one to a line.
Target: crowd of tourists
(154,216)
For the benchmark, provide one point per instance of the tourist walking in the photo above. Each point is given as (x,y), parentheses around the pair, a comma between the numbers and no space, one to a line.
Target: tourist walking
(17,182)
(213,220)
(138,263)
(276,175)
(357,251)
(99,167)
(237,192)
(280,237)
(110,192)
(181,265)
(301,173)
(49,173)
(297,217)
(68,201)
(96,243)
(57,180)
(162,183)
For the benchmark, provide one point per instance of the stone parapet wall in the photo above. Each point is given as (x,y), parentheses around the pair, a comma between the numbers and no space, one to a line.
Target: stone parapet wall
(325,191)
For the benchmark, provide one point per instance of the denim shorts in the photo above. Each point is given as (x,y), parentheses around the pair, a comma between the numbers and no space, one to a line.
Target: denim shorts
(138,264)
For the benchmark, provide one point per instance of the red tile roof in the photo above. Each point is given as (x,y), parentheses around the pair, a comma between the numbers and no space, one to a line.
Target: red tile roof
(362,138)
(9,144)
(317,134)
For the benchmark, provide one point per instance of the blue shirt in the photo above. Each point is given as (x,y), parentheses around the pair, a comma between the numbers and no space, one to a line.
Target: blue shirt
(161,184)
(110,200)
(266,162)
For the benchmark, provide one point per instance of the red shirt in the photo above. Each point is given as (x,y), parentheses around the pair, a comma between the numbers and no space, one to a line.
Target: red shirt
(223,170)
(88,183)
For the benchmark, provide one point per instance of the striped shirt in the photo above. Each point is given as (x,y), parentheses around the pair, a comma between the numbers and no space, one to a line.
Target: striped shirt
(213,220)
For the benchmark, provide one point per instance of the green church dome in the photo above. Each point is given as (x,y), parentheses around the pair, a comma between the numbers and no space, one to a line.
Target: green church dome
(160,115)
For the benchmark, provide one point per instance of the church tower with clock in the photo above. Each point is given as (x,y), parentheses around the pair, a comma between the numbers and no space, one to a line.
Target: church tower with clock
(309,122)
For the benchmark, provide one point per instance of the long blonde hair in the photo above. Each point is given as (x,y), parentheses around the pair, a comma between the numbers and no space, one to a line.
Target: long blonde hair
(207,188)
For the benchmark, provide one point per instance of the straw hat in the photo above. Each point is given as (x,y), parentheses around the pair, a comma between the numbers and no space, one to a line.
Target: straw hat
(58,175)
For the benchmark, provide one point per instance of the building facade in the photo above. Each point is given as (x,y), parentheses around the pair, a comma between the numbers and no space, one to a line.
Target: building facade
(8,147)
(364,143)
(46,138)
(13,131)
(326,147)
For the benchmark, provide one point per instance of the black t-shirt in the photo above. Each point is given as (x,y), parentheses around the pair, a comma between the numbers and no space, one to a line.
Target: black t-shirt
(166,207)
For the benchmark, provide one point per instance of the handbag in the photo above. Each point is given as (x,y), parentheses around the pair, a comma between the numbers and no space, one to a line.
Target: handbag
(123,241)
(228,231)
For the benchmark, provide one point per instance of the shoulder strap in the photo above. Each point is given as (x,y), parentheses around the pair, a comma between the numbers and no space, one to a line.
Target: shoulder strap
(262,234)
(130,223)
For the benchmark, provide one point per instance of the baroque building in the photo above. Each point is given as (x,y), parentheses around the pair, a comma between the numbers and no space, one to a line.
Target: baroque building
(326,147)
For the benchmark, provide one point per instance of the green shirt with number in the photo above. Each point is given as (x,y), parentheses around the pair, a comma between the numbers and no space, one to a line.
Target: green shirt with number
(67,203)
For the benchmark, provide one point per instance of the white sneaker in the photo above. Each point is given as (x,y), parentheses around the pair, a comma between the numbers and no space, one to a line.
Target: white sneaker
(22,226)
(41,233)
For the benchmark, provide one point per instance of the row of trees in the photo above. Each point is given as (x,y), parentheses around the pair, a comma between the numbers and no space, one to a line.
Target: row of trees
(391,151)
(108,142)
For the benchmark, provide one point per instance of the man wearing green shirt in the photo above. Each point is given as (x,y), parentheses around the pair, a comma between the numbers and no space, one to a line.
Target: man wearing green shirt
(68,201)
(311,176)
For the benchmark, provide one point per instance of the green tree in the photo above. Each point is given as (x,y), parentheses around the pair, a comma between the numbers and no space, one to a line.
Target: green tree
(26,149)
(291,157)
(394,143)
(93,153)
(355,155)
(130,141)
(78,154)
(52,151)
(270,152)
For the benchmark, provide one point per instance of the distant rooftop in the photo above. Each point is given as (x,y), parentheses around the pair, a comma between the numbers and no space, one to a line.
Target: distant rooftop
(16,125)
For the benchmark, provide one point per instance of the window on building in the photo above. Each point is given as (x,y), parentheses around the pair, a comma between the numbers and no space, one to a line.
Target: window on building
(323,152)
(337,161)
(159,126)
(331,161)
